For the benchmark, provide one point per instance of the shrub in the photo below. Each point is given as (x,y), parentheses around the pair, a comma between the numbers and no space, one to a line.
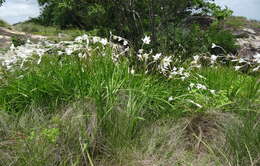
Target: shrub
(222,37)
(18,40)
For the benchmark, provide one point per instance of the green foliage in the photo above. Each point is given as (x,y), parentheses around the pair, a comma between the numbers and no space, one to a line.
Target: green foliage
(185,42)
(223,38)
(241,90)
(239,22)
(218,12)
(1,2)
(18,40)
(127,19)
(190,41)
(4,24)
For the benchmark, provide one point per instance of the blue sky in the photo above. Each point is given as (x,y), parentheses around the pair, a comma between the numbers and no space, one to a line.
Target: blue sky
(247,8)
(14,11)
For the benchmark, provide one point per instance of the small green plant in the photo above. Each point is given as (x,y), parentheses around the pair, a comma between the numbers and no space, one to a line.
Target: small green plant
(18,40)
(51,134)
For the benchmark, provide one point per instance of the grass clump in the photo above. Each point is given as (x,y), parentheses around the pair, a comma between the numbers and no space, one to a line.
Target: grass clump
(238,22)
(243,141)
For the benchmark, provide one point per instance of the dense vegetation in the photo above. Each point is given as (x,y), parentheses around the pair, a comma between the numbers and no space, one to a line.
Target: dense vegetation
(165,93)
(130,19)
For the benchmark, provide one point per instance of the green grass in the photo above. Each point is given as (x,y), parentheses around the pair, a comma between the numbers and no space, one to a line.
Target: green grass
(4,24)
(237,23)
(73,111)
(243,140)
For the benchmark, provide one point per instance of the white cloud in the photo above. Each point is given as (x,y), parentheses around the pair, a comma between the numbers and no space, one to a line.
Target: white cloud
(14,11)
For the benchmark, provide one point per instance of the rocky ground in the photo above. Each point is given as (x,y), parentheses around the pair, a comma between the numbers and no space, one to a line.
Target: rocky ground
(6,36)
(249,41)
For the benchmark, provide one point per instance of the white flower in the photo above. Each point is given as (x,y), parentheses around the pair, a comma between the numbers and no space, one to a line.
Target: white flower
(140,56)
(200,86)
(96,39)
(127,49)
(213,58)
(132,71)
(12,47)
(78,39)
(60,52)
(256,69)
(214,45)
(125,43)
(241,60)
(196,58)
(174,73)
(181,70)
(238,67)
(192,85)
(257,58)
(145,56)
(170,99)
(69,51)
(166,61)
(146,40)
(197,66)
(157,56)
(85,37)
(103,42)
(212,92)
(186,74)
(140,51)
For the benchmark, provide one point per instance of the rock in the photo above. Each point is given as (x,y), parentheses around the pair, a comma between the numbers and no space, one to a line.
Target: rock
(255,44)
(249,30)
(203,21)
(249,42)
(241,34)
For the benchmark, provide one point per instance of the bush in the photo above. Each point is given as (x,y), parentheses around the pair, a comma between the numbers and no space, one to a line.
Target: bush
(222,37)
(189,41)
(18,40)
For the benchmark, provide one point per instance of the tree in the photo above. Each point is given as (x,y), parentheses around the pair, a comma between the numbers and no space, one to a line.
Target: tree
(1,2)
(127,17)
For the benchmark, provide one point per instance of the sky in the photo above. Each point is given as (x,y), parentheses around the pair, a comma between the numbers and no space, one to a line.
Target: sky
(14,11)
(247,8)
